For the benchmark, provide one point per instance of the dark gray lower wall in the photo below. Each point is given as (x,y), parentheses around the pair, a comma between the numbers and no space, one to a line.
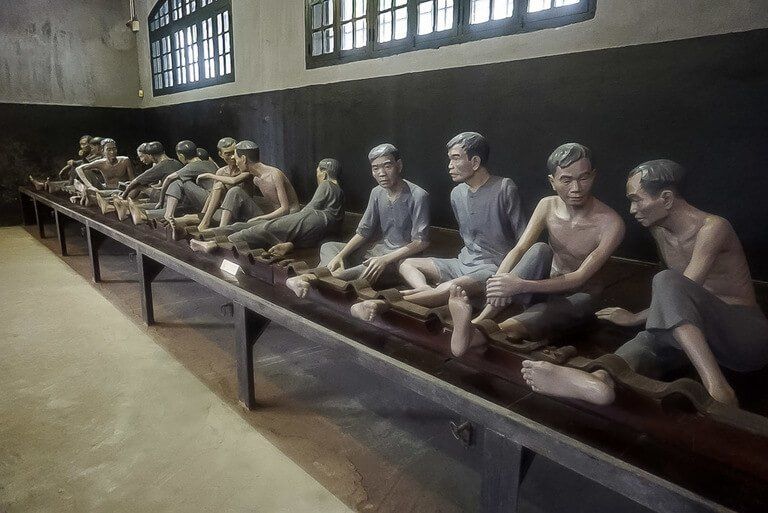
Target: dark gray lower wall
(703,102)
(39,139)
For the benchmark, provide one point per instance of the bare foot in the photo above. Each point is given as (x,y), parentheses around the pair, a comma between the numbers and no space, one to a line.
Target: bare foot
(202,246)
(137,214)
(300,284)
(369,309)
(464,334)
(514,329)
(121,208)
(177,230)
(281,249)
(103,203)
(549,379)
(39,186)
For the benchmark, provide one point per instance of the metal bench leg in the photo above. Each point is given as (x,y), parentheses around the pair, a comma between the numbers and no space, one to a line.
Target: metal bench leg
(95,239)
(248,328)
(27,209)
(39,219)
(61,224)
(505,464)
(148,271)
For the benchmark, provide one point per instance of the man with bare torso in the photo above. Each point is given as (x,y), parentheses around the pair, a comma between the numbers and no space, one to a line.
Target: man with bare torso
(583,233)
(104,175)
(279,196)
(222,180)
(703,309)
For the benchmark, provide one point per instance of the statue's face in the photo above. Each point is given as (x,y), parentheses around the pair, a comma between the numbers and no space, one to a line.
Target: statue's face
(95,149)
(574,183)
(647,209)
(144,158)
(228,155)
(110,151)
(85,147)
(460,166)
(386,170)
(241,162)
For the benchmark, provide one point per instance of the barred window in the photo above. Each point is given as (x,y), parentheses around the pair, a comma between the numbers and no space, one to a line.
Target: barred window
(339,31)
(190,44)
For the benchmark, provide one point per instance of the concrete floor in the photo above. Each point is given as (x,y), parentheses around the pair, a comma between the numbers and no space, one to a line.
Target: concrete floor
(94,416)
(373,445)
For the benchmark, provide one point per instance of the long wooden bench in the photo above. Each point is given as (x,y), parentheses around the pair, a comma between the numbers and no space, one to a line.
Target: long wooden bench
(647,450)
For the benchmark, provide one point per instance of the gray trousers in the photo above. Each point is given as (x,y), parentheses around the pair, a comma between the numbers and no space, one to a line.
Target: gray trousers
(244,206)
(736,334)
(546,315)
(354,267)
(190,195)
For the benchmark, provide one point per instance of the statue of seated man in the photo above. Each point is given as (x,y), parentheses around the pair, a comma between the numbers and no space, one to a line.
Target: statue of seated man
(555,281)
(179,190)
(219,183)
(703,309)
(394,226)
(103,176)
(303,229)
(490,218)
(239,204)
(147,183)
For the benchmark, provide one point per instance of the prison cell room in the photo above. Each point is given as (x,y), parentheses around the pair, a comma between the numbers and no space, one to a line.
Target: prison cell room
(383,256)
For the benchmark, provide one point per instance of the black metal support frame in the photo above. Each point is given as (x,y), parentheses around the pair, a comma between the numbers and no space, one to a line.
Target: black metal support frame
(508,440)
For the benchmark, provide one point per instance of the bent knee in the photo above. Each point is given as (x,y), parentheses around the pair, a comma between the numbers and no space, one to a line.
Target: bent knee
(669,279)
(541,250)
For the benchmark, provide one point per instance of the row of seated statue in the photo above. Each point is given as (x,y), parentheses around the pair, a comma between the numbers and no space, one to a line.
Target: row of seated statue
(703,309)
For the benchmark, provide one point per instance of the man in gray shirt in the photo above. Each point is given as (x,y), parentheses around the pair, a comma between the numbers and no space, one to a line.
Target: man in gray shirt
(397,208)
(179,188)
(490,218)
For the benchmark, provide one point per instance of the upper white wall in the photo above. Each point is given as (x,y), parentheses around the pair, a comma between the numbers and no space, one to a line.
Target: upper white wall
(269,42)
(68,53)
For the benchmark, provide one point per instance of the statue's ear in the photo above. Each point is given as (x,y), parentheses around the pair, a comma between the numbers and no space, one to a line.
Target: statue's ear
(667,198)
(551,181)
(476,162)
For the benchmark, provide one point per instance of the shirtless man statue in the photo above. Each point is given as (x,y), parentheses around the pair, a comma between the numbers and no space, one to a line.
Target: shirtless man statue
(490,218)
(224,178)
(703,309)
(104,175)
(279,196)
(397,211)
(305,228)
(583,233)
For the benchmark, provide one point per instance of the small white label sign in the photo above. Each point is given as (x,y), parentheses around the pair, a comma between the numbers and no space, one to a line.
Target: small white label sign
(229,267)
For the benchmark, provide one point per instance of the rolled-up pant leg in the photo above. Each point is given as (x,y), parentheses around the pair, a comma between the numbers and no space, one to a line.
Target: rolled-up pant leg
(736,334)
(242,205)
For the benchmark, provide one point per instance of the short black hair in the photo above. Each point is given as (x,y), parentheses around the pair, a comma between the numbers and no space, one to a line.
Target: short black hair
(142,148)
(660,175)
(203,154)
(332,167)
(384,149)
(225,142)
(249,149)
(154,148)
(106,141)
(474,144)
(95,141)
(187,149)
(567,154)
